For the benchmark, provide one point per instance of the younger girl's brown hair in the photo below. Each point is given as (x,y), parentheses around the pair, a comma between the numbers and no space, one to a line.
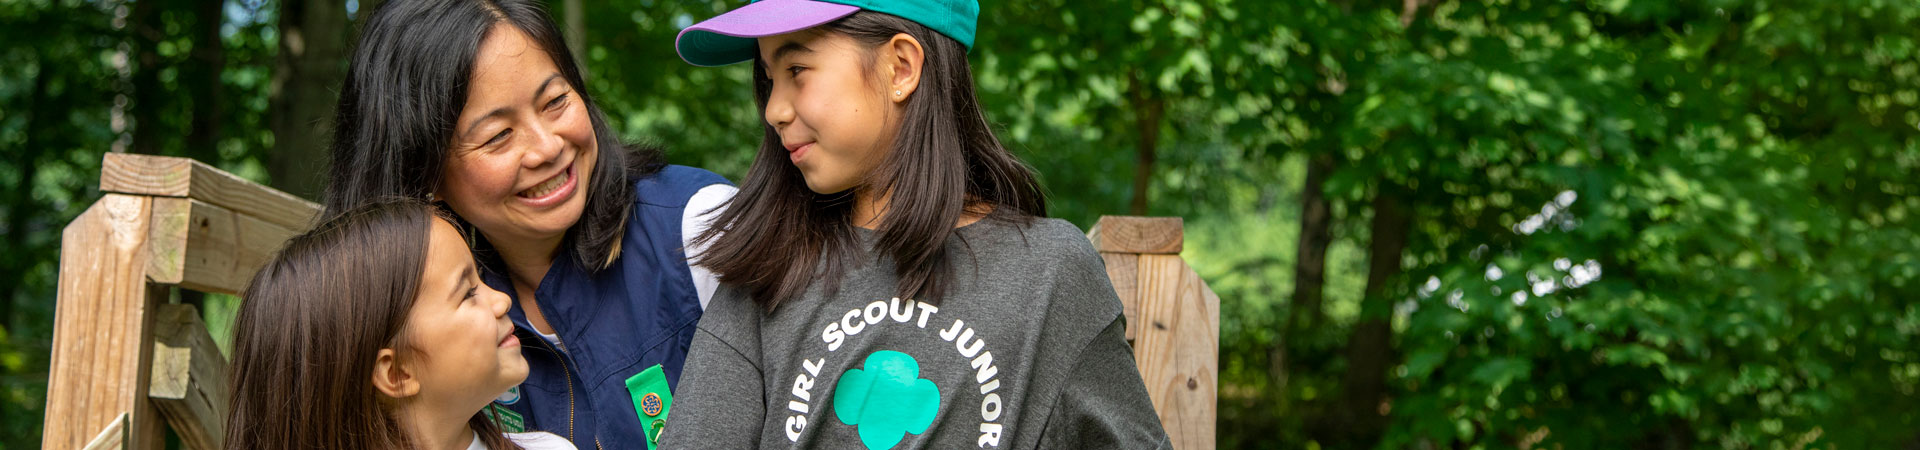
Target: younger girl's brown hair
(311,323)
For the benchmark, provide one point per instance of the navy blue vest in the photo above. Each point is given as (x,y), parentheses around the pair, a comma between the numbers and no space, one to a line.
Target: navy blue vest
(634,314)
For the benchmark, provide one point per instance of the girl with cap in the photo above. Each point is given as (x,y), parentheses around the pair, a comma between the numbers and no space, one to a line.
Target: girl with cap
(888,276)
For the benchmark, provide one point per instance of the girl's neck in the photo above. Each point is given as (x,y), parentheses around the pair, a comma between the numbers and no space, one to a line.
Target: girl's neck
(869,209)
(436,427)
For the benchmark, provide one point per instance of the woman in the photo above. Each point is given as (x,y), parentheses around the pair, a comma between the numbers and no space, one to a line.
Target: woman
(479,106)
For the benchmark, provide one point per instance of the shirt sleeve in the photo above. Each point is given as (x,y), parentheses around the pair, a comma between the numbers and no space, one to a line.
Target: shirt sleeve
(720,402)
(1105,405)
(705,204)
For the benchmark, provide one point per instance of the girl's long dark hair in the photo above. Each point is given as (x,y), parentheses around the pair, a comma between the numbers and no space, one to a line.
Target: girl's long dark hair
(310,325)
(776,236)
(403,94)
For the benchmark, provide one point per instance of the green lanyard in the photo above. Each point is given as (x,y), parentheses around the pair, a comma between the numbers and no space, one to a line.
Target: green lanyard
(651,398)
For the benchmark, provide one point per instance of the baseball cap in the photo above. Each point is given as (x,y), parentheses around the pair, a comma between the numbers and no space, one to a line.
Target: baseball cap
(730,37)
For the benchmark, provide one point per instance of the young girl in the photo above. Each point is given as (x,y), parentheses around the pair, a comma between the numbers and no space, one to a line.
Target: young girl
(887,277)
(374,331)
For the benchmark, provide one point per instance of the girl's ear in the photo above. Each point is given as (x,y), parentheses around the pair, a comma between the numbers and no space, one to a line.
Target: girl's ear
(391,378)
(901,59)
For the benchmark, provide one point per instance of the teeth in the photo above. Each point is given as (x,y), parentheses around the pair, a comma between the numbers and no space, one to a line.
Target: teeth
(546,188)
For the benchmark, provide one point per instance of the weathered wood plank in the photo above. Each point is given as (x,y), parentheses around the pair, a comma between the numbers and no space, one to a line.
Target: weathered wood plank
(100,363)
(114,437)
(181,177)
(1178,348)
(189,377)
(1132,234)
(1124,270)
(218,250)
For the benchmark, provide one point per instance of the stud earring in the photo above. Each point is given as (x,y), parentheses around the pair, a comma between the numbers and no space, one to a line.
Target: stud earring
(896,93)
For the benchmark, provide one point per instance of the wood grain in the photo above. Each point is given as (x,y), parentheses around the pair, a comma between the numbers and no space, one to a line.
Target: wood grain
(189,377)
(100,364)
(1132,234)
(167,176)
(218,250)
(1178,349)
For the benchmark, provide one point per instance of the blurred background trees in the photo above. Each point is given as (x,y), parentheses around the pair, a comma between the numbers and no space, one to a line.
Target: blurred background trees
(1432,223)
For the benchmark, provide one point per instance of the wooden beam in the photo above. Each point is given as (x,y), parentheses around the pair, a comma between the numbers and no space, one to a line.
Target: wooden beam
(1178,349)
(101,354)
(1132,234)
(189,378)
(208,248)
(167,176)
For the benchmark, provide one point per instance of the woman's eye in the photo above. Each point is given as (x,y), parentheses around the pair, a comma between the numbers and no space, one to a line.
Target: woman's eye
(794,70)
(502,136)
(557,102)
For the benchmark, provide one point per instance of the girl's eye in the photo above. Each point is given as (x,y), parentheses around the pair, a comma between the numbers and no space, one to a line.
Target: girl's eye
(471,291)
(794,70)
(557,102)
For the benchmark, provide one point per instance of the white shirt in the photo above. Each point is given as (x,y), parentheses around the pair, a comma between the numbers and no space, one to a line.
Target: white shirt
(529,441)
(701,210)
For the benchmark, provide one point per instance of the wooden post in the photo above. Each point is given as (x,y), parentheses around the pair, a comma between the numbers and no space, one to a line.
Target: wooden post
(163,221)
(102,320)
(1173,320)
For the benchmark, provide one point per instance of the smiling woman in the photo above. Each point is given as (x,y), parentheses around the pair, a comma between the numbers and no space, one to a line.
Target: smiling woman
(479,106)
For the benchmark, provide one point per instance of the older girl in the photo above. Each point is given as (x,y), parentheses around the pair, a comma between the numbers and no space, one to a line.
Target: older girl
(888,277)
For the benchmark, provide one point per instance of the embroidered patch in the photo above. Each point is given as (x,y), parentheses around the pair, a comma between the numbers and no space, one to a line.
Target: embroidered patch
(509,421)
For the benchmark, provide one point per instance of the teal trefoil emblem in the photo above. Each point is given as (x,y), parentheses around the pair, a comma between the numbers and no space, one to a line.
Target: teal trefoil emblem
(886,399)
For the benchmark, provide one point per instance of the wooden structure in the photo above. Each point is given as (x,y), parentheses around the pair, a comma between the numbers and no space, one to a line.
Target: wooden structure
(1173,321)
(127,362)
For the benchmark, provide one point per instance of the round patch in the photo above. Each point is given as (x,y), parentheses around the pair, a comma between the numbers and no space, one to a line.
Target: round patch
(650,404)
(511,396)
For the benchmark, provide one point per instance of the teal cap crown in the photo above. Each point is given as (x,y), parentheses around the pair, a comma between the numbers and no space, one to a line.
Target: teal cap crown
(729,38)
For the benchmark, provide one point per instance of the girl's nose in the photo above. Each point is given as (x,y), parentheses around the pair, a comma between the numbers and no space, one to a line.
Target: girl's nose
(501,303)
(779,111)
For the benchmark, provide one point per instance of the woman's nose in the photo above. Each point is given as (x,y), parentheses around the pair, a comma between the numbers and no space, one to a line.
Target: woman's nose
(545,147)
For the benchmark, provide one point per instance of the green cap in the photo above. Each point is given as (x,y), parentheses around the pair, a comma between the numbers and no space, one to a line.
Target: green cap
(729,38)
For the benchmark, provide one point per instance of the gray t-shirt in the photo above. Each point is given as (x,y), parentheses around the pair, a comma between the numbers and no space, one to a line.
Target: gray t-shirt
(1027,350)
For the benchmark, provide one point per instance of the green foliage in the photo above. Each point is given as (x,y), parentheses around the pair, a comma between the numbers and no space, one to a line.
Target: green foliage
(1701,214)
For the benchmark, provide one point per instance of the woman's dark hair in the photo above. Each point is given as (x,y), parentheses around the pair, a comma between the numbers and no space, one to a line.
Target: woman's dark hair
(776,235)
(403,95)
(311,323)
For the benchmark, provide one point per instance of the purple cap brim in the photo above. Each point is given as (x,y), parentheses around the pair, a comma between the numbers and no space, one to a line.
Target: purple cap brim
(729,38)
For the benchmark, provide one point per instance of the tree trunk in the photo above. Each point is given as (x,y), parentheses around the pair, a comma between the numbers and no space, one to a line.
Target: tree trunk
(576,19)
(1369,351)
(143,30)
(1148,109)
(21,198)
(1310,268)
(201,76)
(309,68)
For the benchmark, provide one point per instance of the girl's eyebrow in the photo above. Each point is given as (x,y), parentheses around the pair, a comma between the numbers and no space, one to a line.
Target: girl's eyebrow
(787,49)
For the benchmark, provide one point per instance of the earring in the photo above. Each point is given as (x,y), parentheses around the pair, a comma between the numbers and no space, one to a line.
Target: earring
(896,93)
